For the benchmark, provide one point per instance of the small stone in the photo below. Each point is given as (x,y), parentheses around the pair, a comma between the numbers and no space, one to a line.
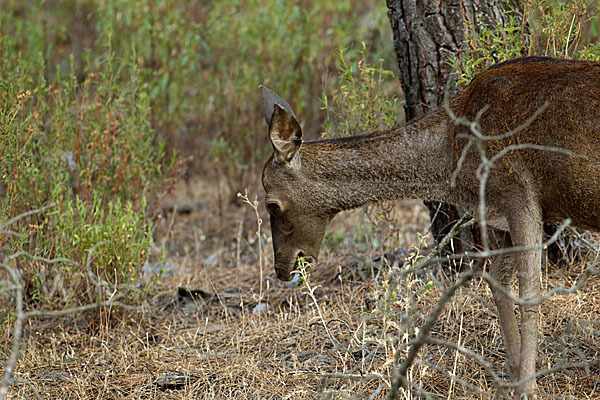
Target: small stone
(211,260)
(259,308)
(294,282)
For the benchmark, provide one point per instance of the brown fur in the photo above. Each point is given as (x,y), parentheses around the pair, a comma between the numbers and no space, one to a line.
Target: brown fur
(313,181)
(571,121)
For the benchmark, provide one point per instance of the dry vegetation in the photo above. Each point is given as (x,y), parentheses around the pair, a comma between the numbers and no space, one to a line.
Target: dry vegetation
(214,345)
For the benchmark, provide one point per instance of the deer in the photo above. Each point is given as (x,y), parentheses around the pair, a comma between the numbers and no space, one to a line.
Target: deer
(308,183)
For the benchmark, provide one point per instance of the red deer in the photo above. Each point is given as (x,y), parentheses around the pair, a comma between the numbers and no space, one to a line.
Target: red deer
(307,183)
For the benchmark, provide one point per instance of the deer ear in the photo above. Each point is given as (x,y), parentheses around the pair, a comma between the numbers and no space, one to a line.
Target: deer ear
(268,99)
(285,134)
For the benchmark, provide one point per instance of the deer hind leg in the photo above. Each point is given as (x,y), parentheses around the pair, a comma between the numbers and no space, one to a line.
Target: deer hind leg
(501,270)
(526,230)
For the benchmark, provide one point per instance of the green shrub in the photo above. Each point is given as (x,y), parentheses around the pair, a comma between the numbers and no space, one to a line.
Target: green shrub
(490,45)
(563,29)
(200,63)
(287,46)
(87,85)
(83,142)
(359,102)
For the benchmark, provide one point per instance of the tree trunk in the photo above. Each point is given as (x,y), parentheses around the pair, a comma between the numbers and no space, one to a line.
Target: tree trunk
(427,34)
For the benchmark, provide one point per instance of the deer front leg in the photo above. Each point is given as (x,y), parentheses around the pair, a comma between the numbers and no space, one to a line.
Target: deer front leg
(526,230)
(501,270)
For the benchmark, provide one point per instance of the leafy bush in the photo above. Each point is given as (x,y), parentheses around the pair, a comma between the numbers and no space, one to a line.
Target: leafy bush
(83,142)
(563,29)
(359,102)
(200,63)
(490,45)
(86,84)
(287,46)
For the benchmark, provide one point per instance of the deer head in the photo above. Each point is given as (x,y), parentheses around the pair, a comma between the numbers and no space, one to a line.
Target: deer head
(298,220)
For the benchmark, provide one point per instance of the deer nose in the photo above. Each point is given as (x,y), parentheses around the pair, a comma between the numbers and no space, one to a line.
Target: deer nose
(307,259)
(283,276)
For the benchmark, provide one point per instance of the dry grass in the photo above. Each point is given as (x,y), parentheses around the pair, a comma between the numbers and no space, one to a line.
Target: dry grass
(213,346)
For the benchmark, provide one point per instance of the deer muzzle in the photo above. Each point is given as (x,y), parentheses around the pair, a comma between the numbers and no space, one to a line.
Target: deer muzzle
(284,270)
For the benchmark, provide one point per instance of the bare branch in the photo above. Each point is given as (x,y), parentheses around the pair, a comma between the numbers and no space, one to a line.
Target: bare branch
(87,307)
(559,367)
(25,215)
(17,331)
(471,387)
(15,286)
(400,374)
(499,383)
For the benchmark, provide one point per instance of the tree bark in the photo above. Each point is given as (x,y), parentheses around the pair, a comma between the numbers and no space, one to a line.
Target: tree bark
(427,34)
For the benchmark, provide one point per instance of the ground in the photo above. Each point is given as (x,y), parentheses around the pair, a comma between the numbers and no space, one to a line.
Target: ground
(210,328)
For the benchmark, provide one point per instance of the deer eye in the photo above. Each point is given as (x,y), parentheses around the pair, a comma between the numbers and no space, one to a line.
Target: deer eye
(273,208)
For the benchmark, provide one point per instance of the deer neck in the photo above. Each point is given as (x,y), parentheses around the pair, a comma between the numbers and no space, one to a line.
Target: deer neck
(413,162)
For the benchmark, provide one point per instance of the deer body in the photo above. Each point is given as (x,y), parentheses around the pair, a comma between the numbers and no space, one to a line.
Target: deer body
(554,176)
